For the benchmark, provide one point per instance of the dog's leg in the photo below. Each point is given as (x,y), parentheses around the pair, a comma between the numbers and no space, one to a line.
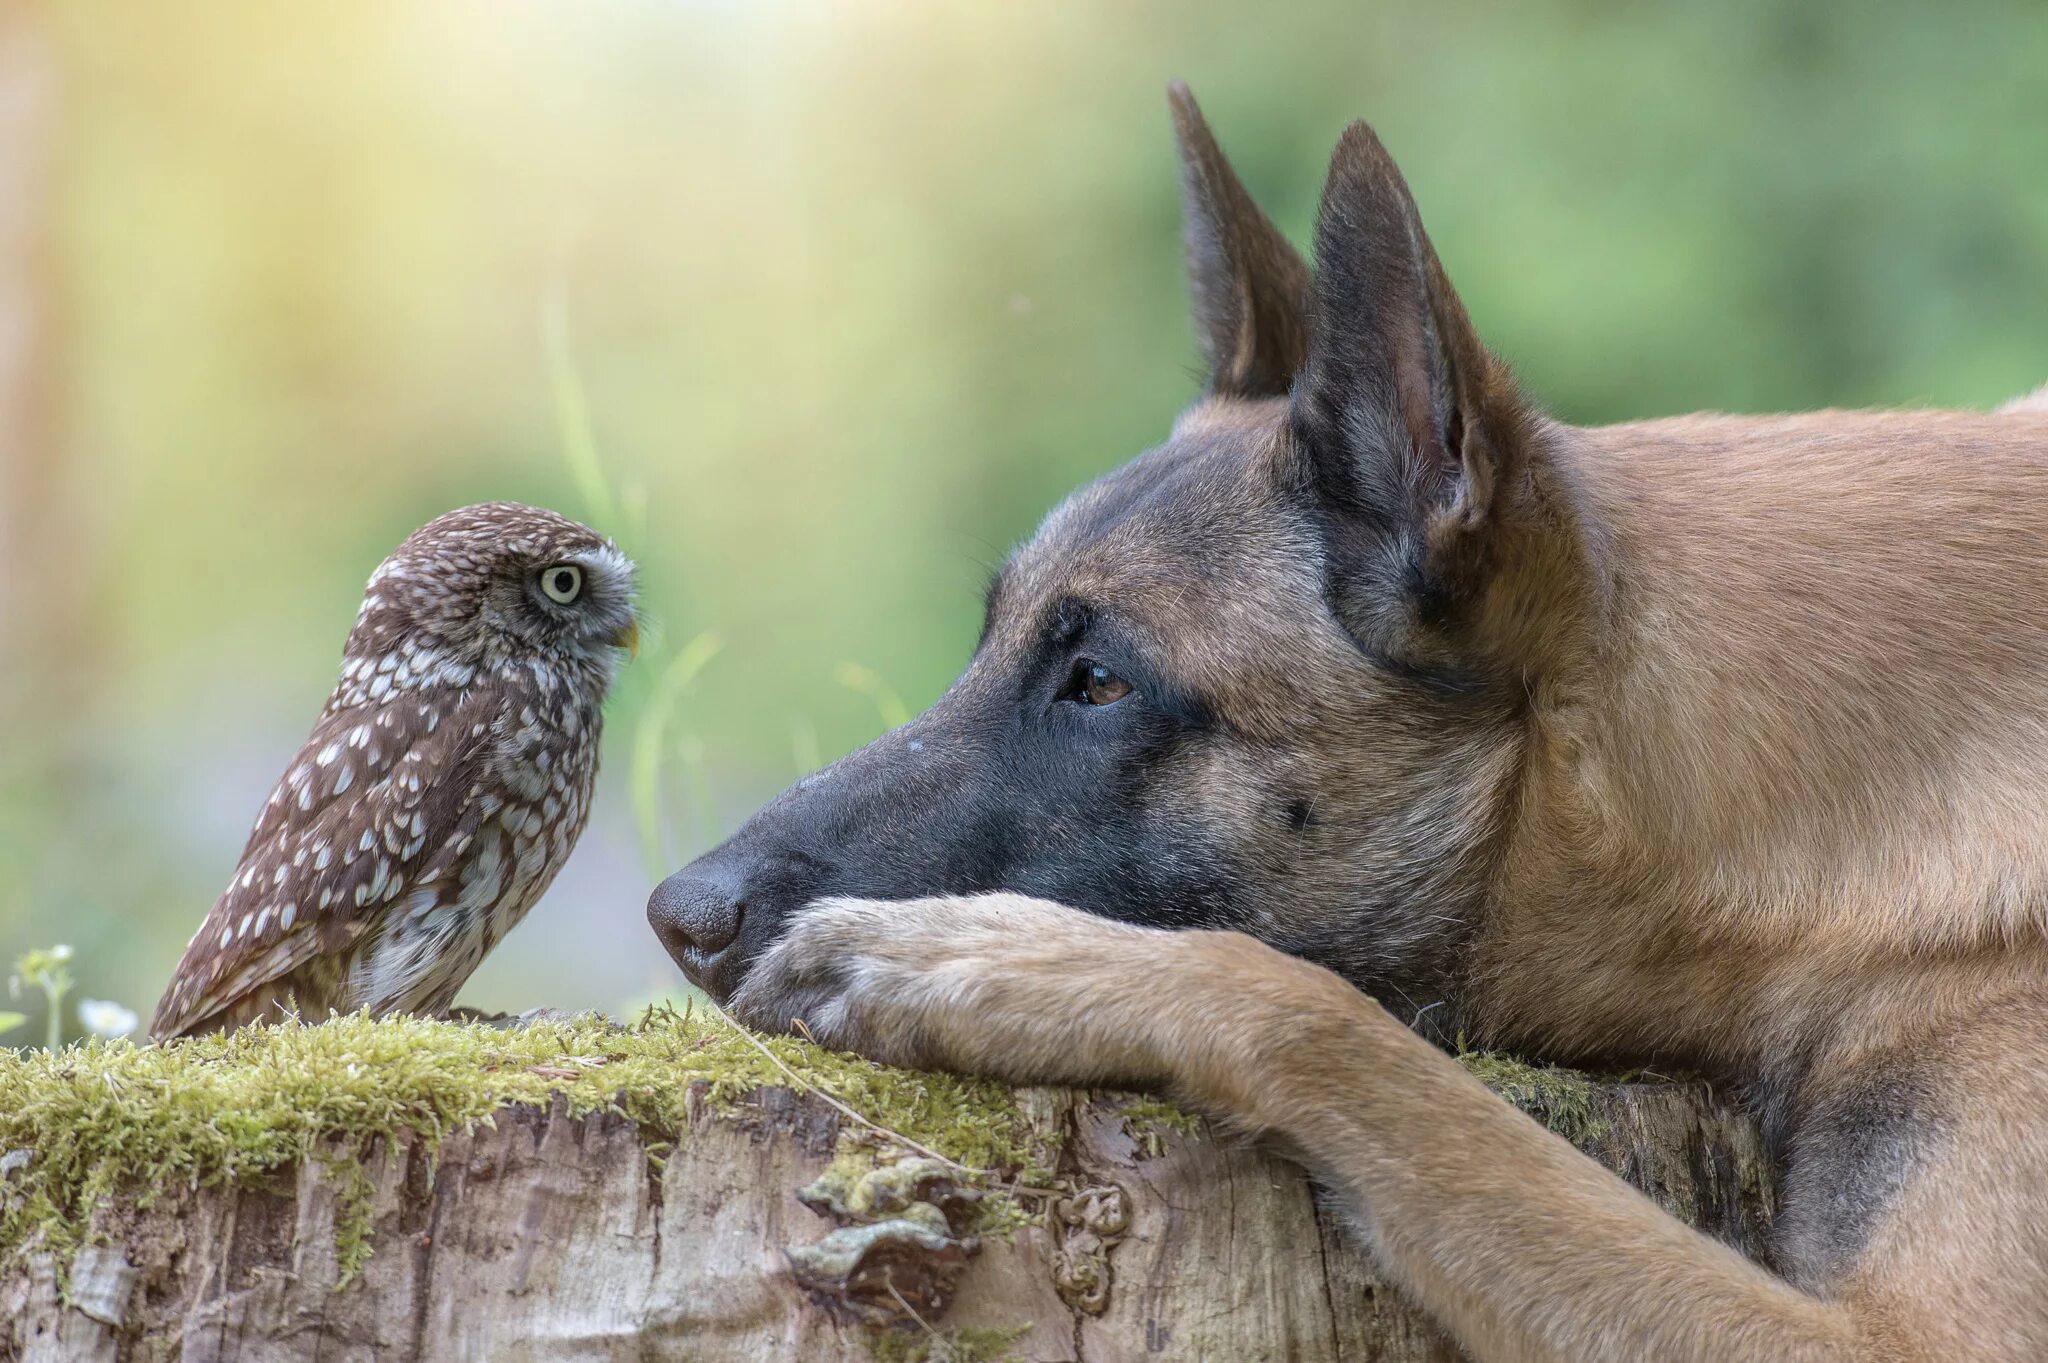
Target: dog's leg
(1520,1246)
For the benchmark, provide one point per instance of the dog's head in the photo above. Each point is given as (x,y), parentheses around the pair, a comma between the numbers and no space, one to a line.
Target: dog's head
(1267,676)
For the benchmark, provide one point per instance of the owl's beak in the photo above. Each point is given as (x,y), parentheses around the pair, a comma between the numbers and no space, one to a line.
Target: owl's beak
(628,638)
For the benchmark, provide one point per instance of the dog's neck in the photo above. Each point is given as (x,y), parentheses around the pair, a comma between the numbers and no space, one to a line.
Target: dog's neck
(1797,731)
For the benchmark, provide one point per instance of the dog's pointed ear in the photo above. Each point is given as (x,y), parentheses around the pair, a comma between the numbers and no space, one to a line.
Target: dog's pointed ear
(1412,434)
(1250,285)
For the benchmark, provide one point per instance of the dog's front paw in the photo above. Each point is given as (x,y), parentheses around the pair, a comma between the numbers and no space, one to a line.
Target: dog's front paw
(821,975)
(1021,988)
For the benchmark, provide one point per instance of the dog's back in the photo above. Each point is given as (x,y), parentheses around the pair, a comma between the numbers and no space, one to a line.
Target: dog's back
(2036,401)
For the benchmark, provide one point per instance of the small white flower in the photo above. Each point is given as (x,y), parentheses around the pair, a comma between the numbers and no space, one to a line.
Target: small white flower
(60,952)
(104,1017)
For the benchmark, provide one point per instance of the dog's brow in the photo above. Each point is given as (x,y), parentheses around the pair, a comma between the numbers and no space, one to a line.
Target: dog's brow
(1067,621)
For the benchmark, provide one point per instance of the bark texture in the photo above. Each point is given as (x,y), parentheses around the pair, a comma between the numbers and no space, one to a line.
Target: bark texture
(547,1238)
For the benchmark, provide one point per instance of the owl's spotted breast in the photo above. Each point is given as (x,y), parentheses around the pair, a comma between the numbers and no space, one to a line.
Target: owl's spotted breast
(530,810)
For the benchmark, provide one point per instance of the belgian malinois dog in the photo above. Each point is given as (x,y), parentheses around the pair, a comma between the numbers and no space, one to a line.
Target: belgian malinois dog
(1376,706)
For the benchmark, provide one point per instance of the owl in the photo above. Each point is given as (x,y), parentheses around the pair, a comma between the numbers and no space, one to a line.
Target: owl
(441,789)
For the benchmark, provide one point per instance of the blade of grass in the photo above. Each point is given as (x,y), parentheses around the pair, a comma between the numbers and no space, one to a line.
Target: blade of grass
(868,682)
(648,746)
(572,413)
(803,745)
(804,1085)
(696,774)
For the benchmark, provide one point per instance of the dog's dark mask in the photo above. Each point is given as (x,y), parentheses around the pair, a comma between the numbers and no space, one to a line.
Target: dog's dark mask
(1055,767)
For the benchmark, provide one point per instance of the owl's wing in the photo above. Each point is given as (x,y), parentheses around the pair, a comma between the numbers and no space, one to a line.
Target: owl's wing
(359,817)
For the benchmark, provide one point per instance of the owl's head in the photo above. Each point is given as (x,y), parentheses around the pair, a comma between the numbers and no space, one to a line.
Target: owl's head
(489,586)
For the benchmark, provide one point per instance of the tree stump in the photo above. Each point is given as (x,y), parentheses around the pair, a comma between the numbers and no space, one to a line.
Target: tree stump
(767,1224)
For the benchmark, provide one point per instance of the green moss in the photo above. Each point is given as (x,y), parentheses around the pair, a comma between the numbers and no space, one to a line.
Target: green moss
(1148,1121)
(354,1196)
(969,1344)
(108,1116)
(1561,1099)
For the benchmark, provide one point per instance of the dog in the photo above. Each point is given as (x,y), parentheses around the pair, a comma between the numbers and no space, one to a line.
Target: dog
(1375,707)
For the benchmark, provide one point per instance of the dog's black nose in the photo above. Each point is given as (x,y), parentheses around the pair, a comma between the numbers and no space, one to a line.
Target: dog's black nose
(695,917)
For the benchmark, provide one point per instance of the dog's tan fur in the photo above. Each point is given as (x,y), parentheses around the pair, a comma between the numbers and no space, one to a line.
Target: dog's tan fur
(1764,793)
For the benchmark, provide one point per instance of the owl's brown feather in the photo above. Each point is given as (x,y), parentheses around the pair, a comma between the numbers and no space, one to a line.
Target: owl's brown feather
(333,845)
(443,786)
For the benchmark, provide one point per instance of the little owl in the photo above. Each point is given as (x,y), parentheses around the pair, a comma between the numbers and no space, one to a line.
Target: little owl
(441,789)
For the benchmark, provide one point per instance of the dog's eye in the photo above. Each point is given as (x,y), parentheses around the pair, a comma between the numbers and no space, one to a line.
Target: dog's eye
(1095,684)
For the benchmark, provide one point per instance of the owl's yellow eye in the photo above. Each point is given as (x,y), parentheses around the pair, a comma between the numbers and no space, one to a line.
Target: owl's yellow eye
(562,582)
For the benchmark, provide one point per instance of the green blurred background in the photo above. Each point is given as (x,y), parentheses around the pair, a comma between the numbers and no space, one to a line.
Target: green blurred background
(849,294)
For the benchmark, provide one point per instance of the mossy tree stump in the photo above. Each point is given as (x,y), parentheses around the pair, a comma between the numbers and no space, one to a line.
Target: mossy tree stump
(407,1190)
